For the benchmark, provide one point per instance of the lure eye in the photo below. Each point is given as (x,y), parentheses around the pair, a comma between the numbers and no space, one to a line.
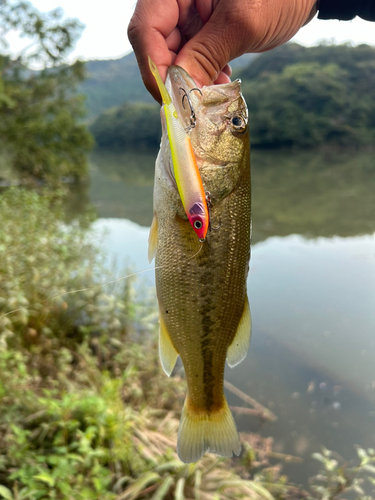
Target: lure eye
(198,224)
(238,123)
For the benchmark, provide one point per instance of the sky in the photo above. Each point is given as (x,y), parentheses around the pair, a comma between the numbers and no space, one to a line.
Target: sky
(106,24)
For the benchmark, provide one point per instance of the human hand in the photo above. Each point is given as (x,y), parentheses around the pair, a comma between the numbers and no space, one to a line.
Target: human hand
(202,36)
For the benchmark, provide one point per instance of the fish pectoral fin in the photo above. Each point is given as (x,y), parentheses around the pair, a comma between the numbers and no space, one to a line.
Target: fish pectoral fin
(200,432)
(167,352)
(153,239)
(240,345)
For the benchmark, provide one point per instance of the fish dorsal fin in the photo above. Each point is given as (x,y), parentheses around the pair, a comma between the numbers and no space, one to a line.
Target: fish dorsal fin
(240,345)
(167,352)
(153,239)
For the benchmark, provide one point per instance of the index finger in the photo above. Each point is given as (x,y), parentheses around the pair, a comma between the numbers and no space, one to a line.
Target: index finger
(152,32)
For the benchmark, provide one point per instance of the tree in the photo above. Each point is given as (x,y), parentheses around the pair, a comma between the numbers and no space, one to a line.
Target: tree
(308,97)
(130,126)
(40,130)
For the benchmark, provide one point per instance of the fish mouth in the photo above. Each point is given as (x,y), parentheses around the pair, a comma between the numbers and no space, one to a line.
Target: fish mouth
(188,98)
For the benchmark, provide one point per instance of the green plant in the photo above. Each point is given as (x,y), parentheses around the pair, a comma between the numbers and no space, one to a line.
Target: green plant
(336,479)
(40,113)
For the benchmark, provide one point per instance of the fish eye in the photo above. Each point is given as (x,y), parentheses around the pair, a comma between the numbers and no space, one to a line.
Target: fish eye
(198,224)
(238,123)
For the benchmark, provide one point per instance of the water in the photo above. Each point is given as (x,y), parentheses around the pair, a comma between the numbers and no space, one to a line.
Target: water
(311,289)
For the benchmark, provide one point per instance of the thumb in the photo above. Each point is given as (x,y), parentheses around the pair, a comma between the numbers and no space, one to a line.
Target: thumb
(206,54)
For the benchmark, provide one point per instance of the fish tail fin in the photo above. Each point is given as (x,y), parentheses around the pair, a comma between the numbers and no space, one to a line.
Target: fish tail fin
(201,431)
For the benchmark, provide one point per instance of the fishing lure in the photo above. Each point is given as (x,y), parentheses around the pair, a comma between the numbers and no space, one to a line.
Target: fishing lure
(186,172)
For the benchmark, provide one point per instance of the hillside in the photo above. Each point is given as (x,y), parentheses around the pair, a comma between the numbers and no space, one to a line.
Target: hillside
(348,58)
(312,96)
(112,82)
(297,96)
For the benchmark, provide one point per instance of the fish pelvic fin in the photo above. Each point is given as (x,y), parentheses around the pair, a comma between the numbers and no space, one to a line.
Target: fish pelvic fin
(153,239)
(240,344)
(167,351)
(200,432)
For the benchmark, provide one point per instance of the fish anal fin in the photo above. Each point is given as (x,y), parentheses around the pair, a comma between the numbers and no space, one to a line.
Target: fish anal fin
(167,352)
(200,432)
(153,239)
(240,345)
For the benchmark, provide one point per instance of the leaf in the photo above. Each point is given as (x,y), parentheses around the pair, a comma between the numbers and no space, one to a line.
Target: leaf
(252,485)
(362,454)
(163,490)
(138,485)
(369,468)
(45,478)
(331,465)
(6,493)
(260,490)
(179,493)
(169,466)
(197,484)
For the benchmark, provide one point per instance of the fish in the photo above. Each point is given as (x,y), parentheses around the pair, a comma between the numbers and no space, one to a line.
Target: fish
(186,173)
(204,312)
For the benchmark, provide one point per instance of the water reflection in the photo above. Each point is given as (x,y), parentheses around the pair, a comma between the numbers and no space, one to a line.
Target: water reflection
(308,193)
(122,185)
(313,194)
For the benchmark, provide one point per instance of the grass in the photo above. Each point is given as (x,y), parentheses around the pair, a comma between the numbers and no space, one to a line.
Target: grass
(86,410)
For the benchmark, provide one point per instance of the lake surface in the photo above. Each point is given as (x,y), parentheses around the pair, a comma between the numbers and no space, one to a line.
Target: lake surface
(311,289)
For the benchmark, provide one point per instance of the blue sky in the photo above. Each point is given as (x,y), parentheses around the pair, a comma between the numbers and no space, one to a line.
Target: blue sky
(106,23)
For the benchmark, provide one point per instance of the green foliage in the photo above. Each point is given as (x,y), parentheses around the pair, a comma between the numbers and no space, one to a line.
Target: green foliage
(40,257)
(336,479)
(40,131)
(39,127)
(112,82)
(51,37)
(297,96)
(295,108)
(308,97)
(131,126)
(62,448)
(348,58)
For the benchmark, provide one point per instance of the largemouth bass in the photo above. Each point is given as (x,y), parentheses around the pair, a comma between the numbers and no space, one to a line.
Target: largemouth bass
(201,287)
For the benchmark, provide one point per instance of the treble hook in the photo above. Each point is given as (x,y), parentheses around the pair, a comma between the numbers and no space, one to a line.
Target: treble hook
(193,119)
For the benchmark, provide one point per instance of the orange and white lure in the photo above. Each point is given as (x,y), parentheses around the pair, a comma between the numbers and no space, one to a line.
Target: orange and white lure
(186,172)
